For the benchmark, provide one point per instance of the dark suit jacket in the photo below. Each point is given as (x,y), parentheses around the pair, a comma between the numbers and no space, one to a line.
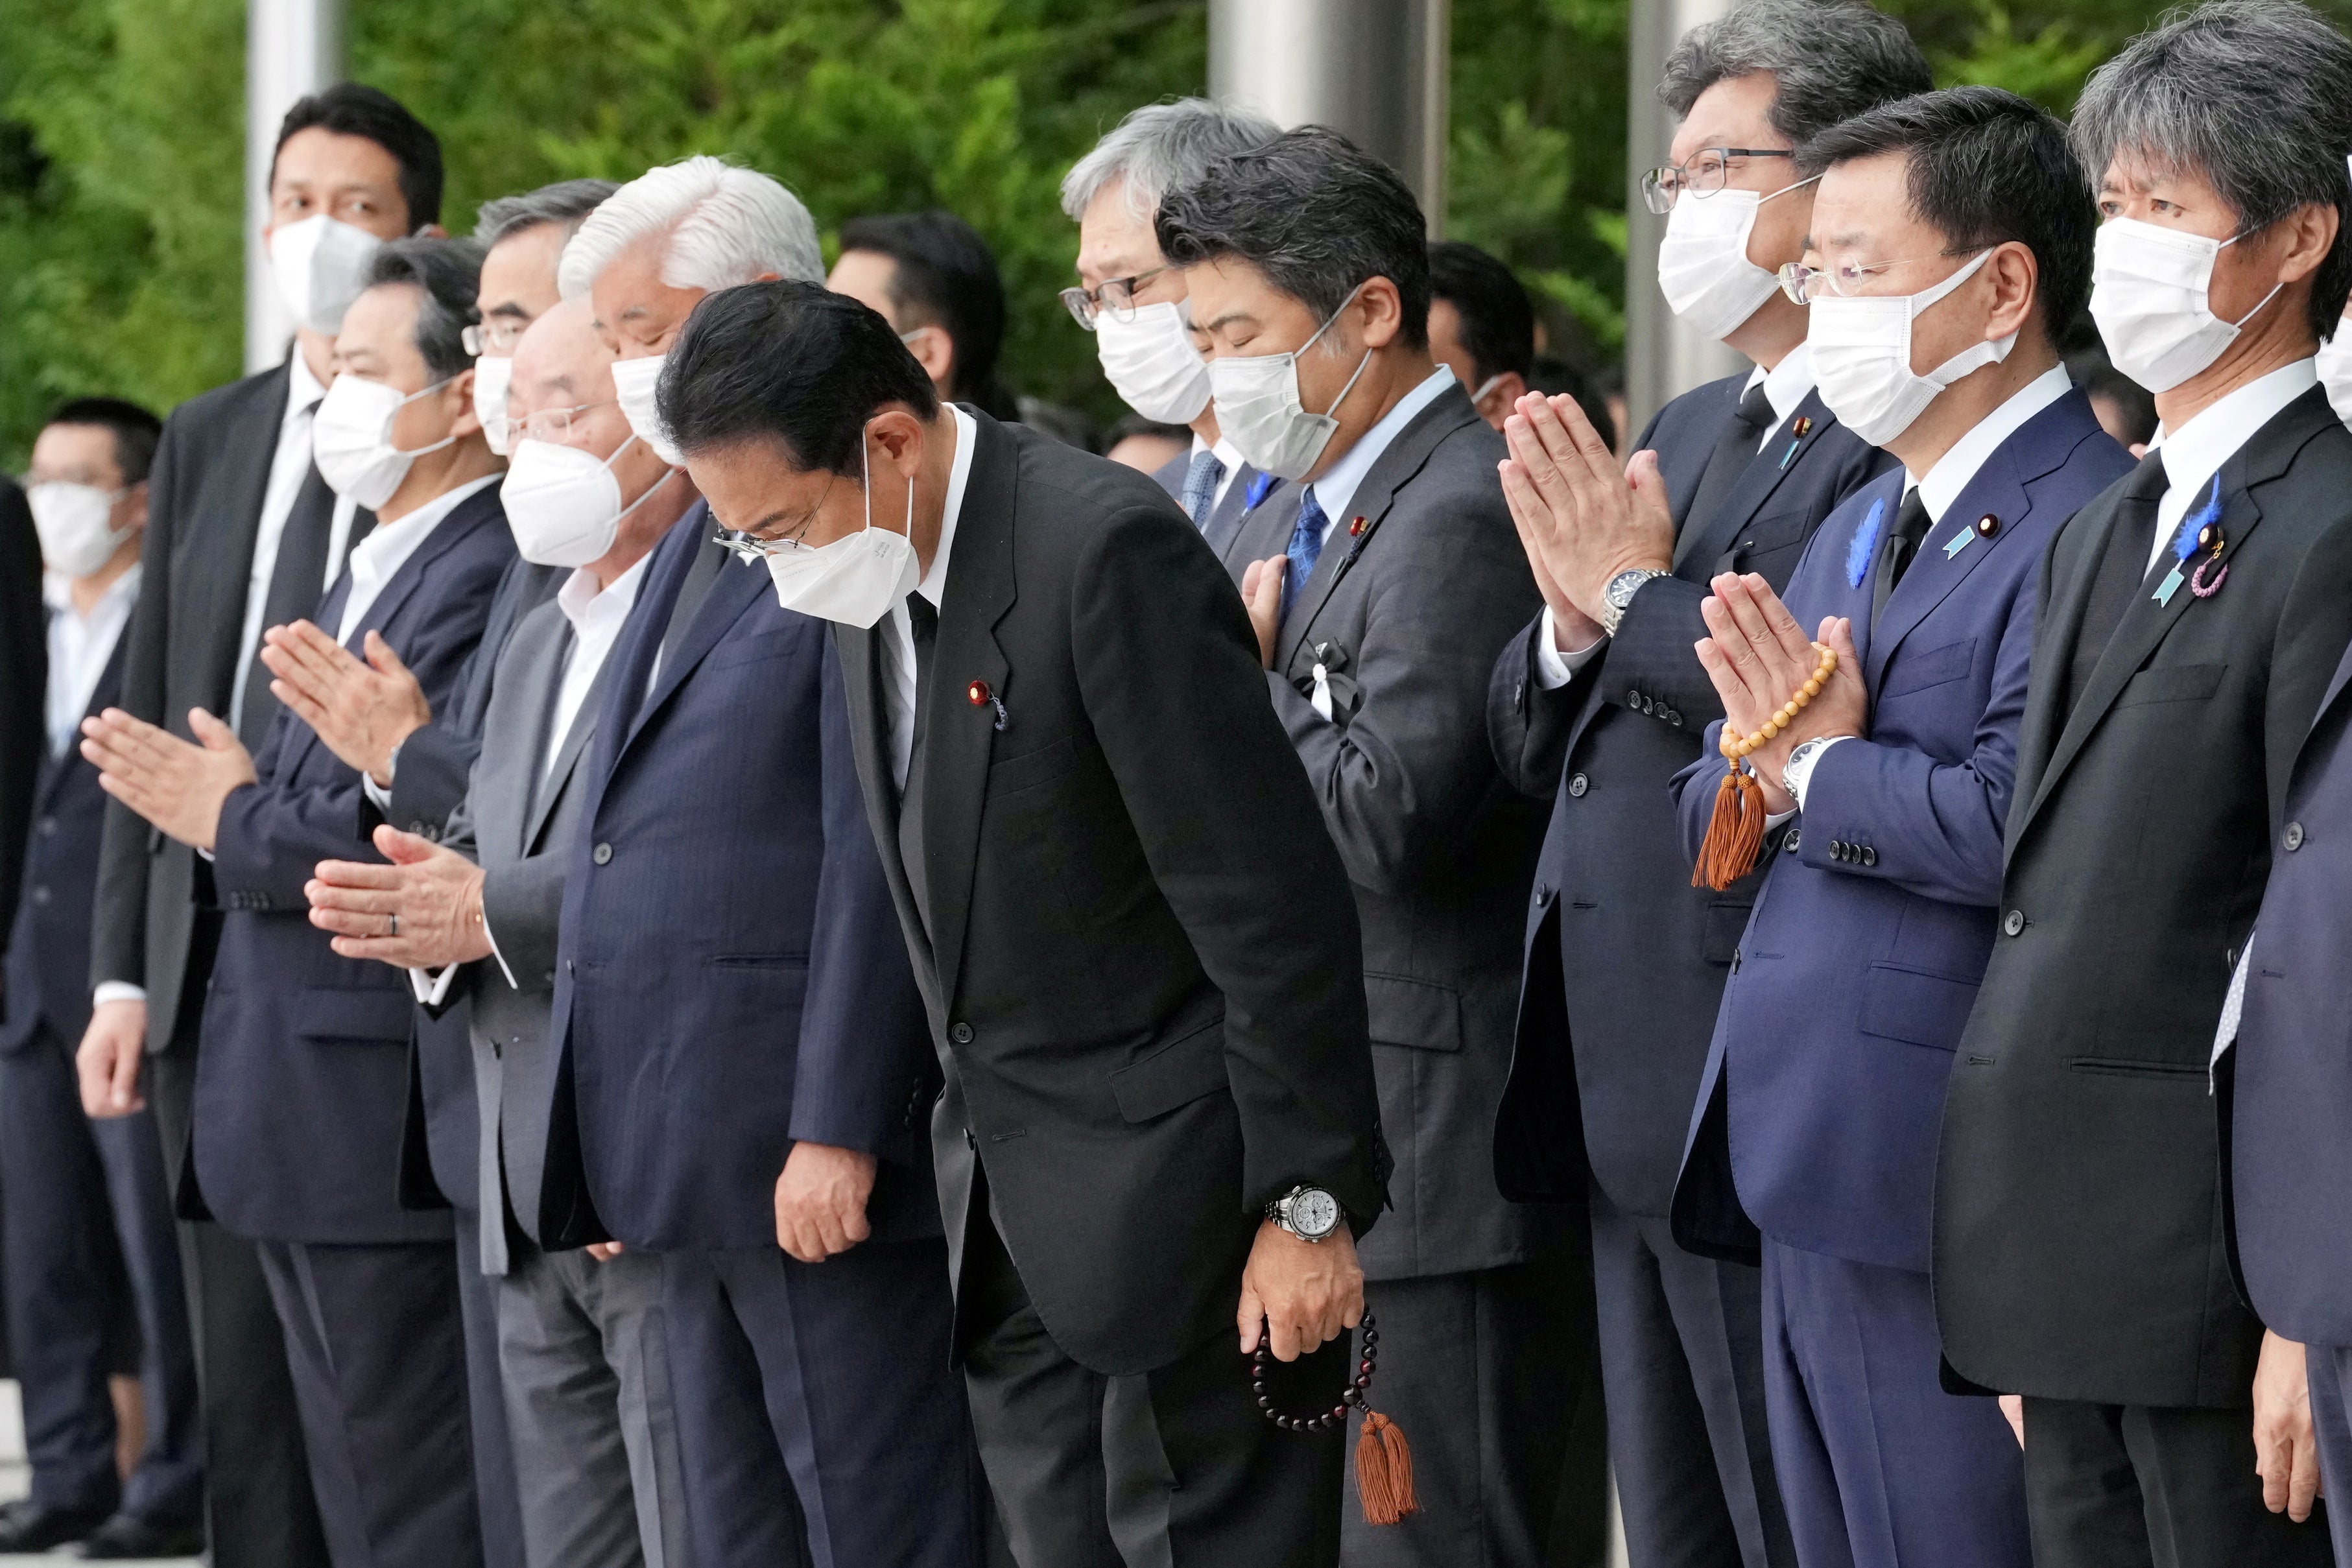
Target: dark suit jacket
(1825,1082)
(203,510)
(2080,1249)
(2290,1165)
(1624,959)
(730,978)
(1139,953)
(301,1080)
(24,688)
(48,946)
(1405,614)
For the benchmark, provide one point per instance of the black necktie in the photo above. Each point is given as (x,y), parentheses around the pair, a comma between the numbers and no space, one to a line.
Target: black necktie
(296,581)
(1734,450)
(2121,572)
(924,621)
(1901,548)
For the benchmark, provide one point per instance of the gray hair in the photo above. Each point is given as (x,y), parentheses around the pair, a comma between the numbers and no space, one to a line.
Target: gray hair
(566,201)
(1160,148)
(725,225)
(445,274)
(1828,59)
(2255,96)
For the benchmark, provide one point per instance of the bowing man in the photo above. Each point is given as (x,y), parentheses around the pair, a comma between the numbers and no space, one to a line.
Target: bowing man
(2190,621)
(301,1080)
(1951,242)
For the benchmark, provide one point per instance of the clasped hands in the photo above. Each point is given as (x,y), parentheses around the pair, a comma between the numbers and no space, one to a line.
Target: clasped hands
(1581,519)
(1758,657)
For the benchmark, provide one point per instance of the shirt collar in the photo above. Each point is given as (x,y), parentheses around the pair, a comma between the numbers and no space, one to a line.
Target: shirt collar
(1786,385)
(2195,453)
(582,596)
(389,545)
(935,581)
(1957,467)
(57,592)
(302,388)
(1334,490)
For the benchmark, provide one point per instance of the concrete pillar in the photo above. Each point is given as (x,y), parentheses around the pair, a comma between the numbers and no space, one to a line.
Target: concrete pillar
(1374,71)
(291,48)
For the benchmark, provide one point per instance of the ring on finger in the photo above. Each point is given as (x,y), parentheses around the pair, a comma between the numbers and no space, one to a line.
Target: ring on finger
(396,926)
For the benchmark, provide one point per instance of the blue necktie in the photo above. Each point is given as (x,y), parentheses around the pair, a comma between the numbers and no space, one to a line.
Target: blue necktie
(1305,548)
(1201,482)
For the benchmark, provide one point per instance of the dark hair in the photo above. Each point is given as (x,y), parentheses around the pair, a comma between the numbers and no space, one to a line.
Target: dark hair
(566,201)
(2101,379)
(946,278)
(1316,213)
(1555,377)
(1498,324)
(2255,96)
(1136,424)
(1986,166)
(791,362)
(136,431)
(447,273)
(349,109)
(1829,60)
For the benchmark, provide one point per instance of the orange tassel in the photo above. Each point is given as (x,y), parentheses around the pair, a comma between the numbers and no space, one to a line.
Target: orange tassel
(1734,835)
(1385,1471)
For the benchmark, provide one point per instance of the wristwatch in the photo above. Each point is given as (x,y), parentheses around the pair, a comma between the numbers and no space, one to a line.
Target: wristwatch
(1620,593)
(1310,1214)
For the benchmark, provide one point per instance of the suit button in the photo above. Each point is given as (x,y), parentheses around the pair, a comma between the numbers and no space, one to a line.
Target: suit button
(2293,839)
(40,895)
(1790,845)
(1577,784)
(1869,856)
(1633,697)
(969,1141)
(1519,697)
(2014,923)
(1543,897)
(1837,849)
(1649,705)
(961,1033)
(602,855)
(1674,716)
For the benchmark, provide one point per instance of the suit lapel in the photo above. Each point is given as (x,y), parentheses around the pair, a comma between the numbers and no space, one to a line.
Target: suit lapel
(1705,539)
(221,566)
(534,676)
(547,791)
(736,590)
(469,514)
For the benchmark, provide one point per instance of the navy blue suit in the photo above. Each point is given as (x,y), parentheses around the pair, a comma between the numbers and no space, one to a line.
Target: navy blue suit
(731,979)
(72,1188)
(301,1093)
(1824,1084)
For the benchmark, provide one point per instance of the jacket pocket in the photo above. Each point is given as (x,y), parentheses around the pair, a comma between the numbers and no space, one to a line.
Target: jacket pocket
(2173,683)
(1915,1007)
(1726,923)
(2123,1067)
(1937,666)
(754,649)
(1175,1075)
(1041,764)
(1418,1014)
(373,1015)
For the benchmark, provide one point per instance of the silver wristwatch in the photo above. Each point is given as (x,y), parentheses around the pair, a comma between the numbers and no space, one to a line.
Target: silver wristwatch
(1620,593)
(1310,1214)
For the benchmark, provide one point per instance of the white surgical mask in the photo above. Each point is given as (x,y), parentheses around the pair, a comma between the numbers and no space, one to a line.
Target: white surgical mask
(1860,350)
(2334,366)
(350,438)
(564,504)
(633,384)
(1151,362)
(2148,287)
(320,264)
(857,578)
(73,521)
(492,379)
(1703,265)
(1259,412)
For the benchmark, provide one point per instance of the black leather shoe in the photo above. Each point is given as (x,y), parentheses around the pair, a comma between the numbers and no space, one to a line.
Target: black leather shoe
(127,1535)
(28,1526)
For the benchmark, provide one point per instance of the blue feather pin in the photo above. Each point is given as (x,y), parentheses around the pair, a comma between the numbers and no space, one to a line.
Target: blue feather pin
(1865,543)
(2184,543)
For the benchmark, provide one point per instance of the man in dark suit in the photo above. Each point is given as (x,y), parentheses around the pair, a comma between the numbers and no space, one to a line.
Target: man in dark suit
(74,1192)
(23,618)
(1819,1120)
(2190,619)
(1132,936)
(1380,595)
(1482,327)
(243,533)
(1600,702)
(299,1041)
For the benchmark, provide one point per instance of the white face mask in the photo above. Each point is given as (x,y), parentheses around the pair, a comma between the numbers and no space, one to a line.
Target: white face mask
(1151,362)
(1703,265)
(492,379)
(1259,412)
(350,438)
(857,578)
(633,383)
(320,264)
(2335,367)
(74,522)
(2148,287)
(564,504)
(1861,355)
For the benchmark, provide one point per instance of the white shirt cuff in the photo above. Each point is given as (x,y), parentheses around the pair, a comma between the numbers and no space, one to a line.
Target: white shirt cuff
(1554,669)
(2233,1005)
(1800,772)
(432,986)
(117,991)
(1773,820)
(380,798)
(492,937)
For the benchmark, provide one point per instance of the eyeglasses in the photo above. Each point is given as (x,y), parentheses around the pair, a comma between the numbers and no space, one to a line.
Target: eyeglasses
(548,425)
(1116,295)
(748,547)
(1804,284)
(1701,174)
(498,335)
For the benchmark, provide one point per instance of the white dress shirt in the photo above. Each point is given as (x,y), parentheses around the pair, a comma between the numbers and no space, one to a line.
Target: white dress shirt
(597,614)
(1334,490)
(376,559)
(288,469)
(2195,453)
(79,646)
(1233,461)
(899,642)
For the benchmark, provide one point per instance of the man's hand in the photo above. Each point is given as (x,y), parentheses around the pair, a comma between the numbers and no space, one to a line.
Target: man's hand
(1759,658)
(362,711)
(2286,1454)
(108,1057)
(1262,596)
(821,1201)
(422,911)
(604,1251)
(1581,519)
(2012,1408)
(177,786)
(1303,1294)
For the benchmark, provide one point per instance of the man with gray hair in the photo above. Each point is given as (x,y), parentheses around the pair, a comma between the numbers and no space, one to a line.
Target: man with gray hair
(1134,302)
(2190,621)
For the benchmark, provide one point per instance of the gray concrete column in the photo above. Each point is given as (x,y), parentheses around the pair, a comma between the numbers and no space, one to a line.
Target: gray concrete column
(291,48)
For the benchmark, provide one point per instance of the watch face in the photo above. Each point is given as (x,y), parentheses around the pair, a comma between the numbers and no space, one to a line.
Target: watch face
(1315,1213)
